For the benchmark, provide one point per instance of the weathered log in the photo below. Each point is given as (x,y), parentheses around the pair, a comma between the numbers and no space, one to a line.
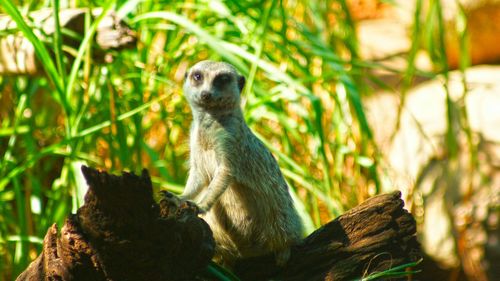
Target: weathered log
(120,233)
(17,54)
(372,237)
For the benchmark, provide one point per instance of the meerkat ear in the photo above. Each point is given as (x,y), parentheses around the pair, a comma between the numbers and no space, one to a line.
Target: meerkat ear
(241,82)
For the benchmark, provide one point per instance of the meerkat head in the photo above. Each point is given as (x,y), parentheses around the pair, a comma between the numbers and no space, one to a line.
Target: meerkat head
(211,85)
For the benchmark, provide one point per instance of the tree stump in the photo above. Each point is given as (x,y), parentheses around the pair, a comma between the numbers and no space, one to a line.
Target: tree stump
(121,233)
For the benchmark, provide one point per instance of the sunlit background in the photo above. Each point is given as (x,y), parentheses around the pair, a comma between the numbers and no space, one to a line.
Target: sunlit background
(354,98)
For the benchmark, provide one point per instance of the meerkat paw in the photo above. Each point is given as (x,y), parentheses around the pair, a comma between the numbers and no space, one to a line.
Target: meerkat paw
(188,204)
(169,203)
(282,257)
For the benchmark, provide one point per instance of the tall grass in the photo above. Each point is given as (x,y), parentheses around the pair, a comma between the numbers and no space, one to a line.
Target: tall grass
(303,98)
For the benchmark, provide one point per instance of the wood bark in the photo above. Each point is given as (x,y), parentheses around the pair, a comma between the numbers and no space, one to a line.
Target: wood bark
(121,233)
(17,54)
(372,237)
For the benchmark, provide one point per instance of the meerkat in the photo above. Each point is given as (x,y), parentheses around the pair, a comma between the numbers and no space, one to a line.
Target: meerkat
(233,178)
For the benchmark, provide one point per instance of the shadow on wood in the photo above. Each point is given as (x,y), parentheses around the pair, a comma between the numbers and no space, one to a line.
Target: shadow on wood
(121,233)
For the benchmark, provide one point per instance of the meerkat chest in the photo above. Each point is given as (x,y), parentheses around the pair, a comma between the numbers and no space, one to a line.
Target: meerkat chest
(207,163)
(203,155)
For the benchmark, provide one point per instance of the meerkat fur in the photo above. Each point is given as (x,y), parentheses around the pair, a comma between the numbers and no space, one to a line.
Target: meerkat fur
(233,177)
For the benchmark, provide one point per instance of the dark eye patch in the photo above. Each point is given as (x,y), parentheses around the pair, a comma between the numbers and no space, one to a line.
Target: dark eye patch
(222,79)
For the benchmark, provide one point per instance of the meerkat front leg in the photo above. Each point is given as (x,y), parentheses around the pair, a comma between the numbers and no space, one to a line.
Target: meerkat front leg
(193,187)
(222,179)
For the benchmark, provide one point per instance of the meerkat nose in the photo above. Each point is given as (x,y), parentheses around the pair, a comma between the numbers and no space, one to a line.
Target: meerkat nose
(205,95)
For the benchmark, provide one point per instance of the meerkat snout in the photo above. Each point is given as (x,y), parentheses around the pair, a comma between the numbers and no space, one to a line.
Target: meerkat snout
(205,95)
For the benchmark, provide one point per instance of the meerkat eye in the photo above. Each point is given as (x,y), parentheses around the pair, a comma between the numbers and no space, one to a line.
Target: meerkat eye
(197,76)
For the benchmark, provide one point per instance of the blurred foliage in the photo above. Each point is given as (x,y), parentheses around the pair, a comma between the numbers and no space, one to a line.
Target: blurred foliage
(305,82)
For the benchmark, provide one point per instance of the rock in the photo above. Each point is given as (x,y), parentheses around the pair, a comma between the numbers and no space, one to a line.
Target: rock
(453,194)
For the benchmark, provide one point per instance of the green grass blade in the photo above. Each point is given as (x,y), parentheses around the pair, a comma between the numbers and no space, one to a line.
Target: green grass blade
(89,35)
(190,26)
(120,117)
(58,44)
(19,130)
(220,272)
(397,271)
